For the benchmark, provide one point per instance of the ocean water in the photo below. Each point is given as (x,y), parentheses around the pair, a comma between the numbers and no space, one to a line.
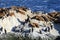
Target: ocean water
(34,5)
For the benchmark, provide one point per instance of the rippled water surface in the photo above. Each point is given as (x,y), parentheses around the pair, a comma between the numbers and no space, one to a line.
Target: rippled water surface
(35,5)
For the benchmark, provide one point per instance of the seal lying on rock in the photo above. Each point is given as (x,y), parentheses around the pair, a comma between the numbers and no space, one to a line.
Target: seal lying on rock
(56,16)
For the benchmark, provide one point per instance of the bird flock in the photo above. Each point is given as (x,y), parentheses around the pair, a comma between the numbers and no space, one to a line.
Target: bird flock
(23,20)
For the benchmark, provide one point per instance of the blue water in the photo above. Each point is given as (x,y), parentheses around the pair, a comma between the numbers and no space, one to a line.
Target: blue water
(34,5)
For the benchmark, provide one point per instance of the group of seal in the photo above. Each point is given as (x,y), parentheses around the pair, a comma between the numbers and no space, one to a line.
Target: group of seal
(25,15)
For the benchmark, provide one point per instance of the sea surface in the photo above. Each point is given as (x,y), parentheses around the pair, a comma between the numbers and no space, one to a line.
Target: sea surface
(34,5)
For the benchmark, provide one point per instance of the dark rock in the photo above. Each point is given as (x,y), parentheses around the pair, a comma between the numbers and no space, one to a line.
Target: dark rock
(58,38)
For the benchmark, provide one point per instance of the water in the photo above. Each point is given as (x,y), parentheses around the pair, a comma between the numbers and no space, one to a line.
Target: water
(34,5)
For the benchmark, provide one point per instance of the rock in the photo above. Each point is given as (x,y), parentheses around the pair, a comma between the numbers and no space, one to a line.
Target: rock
(32,22)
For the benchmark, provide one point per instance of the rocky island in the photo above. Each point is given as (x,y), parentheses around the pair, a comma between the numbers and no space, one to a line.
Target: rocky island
(32,24)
